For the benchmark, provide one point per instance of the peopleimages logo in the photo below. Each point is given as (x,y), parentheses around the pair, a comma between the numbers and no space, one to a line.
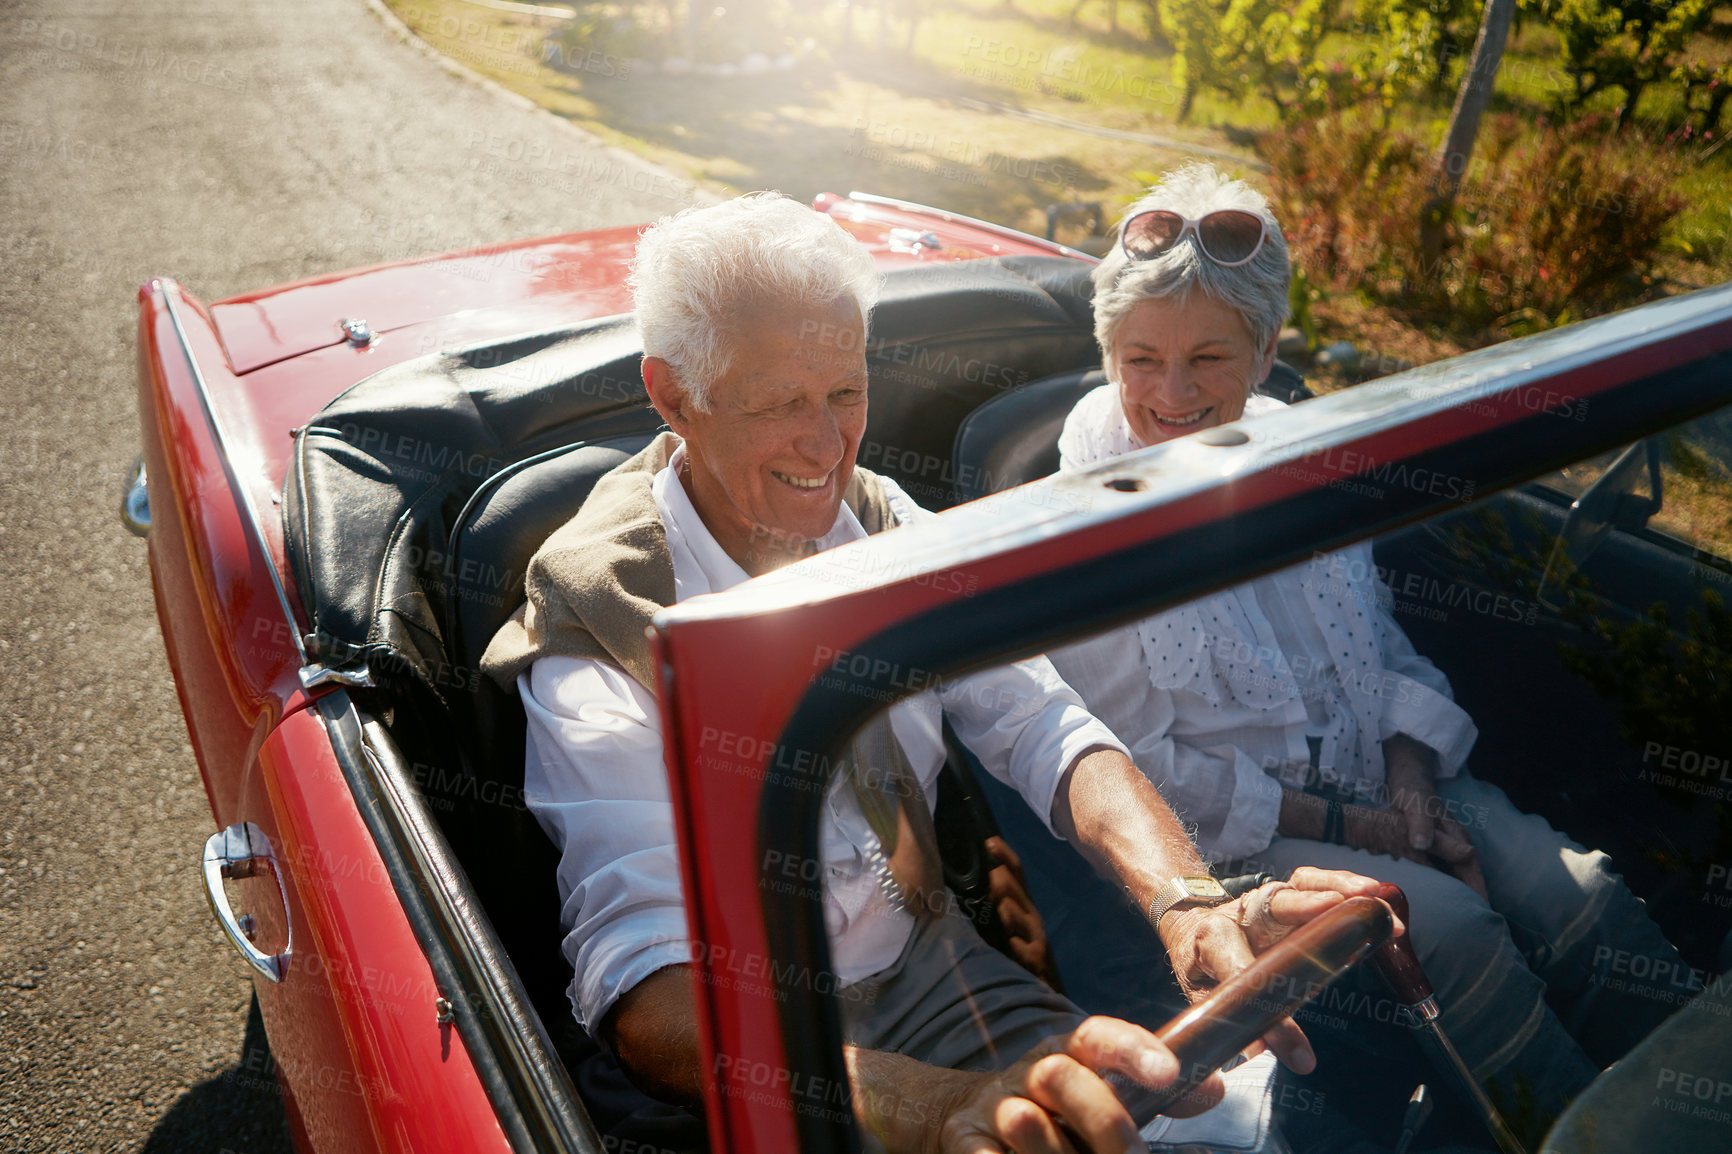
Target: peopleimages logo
(1399,474)
(436,458)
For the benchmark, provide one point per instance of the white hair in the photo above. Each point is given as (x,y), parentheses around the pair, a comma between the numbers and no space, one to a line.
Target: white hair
(696,271)
(1257,289)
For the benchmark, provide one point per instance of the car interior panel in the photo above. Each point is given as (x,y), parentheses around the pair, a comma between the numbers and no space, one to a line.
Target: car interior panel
(417,498)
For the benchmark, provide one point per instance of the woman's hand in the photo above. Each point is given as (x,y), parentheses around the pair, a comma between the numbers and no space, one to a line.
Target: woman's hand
(1380,831)
(1017,913)
(1209,944)
(1019,1109)
(1388,831)
(1417,824)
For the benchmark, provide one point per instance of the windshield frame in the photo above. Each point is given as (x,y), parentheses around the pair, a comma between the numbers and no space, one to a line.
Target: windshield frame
(1016,573)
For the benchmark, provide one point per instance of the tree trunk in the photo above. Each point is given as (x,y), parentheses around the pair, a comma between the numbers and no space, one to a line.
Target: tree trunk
(1632,93)
(1152,13)
(1470,105)
(1716,105)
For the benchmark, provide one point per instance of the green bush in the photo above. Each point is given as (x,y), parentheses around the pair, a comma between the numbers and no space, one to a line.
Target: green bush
(1341,184)
(1551,225)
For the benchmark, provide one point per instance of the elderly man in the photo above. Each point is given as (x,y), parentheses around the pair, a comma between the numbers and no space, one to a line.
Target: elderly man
(754,316)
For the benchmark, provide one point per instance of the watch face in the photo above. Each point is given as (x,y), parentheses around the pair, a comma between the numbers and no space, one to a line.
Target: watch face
(1206,888)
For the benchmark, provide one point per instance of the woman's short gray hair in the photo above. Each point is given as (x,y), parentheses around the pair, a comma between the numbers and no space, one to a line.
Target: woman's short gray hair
(1257,289)
(696,271)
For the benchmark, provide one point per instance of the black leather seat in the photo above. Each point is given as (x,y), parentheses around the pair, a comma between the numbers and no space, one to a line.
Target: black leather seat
(949,338)
(504,523)
(492,540)
(1013,439)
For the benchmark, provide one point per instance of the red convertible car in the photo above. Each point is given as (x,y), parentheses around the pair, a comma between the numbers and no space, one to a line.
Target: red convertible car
(343,479)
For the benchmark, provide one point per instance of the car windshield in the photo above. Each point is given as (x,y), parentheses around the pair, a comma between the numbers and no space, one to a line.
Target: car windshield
(1517,710)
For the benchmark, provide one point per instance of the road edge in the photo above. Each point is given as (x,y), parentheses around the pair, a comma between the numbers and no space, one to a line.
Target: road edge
(696,193)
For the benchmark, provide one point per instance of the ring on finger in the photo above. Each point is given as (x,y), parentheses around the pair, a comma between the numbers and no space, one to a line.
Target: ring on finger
(1258,907)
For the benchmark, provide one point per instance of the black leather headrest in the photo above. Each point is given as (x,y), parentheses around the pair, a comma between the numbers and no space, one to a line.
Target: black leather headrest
(948,338)
(381,475)
(1013,439)
(506,521)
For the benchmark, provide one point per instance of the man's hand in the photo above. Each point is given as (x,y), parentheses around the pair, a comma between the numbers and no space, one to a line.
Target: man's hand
(1020,1109)
(1422,830)
(1208,945)
(1115,816)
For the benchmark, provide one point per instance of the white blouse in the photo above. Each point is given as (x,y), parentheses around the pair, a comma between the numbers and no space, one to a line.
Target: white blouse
(1228,698)
(595,781)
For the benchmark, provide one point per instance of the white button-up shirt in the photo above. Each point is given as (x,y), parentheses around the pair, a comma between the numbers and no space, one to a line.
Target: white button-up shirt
(594,778)
(1223,699)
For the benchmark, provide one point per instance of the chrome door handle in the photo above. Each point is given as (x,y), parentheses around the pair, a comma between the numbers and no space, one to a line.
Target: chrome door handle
(239,852)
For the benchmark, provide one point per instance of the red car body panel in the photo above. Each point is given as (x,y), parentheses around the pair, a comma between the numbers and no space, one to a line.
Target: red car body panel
(545,282)
(556,278)
(232,656)
(358,1052)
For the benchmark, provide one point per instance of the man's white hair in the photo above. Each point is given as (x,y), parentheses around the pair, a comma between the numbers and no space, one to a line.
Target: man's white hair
(1257,289)
(698,271)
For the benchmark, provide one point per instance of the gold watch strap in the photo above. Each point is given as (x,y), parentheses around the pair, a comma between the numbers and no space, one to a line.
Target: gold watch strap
(1175,894)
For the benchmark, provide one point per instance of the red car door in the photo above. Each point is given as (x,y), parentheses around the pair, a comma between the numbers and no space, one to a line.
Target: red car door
(364,1047)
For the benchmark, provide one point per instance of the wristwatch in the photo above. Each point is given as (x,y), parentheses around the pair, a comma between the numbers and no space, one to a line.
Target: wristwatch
(1186,889)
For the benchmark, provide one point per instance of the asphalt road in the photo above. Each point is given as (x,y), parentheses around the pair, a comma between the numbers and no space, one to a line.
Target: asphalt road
(230,145)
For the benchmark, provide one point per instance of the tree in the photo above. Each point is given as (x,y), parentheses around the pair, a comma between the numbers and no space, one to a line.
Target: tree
(1192,27)
(1406,40)
(1713,85)
(1623,44)
(1449,26)
(1470,104)
(1247,47)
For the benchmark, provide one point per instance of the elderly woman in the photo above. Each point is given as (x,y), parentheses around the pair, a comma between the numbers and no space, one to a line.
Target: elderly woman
(1289,720)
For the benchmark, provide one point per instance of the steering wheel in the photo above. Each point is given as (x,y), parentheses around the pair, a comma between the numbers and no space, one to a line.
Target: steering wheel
(1289,974)
(1244,1007)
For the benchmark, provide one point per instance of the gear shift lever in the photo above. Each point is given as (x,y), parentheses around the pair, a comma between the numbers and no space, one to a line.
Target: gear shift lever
(1398,964)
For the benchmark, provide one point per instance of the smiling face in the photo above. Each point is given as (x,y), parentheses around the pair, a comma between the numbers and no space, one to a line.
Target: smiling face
(1181,367)
(770,460)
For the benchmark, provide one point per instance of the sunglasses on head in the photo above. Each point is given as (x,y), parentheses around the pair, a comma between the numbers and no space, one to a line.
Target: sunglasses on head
(1230,237)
